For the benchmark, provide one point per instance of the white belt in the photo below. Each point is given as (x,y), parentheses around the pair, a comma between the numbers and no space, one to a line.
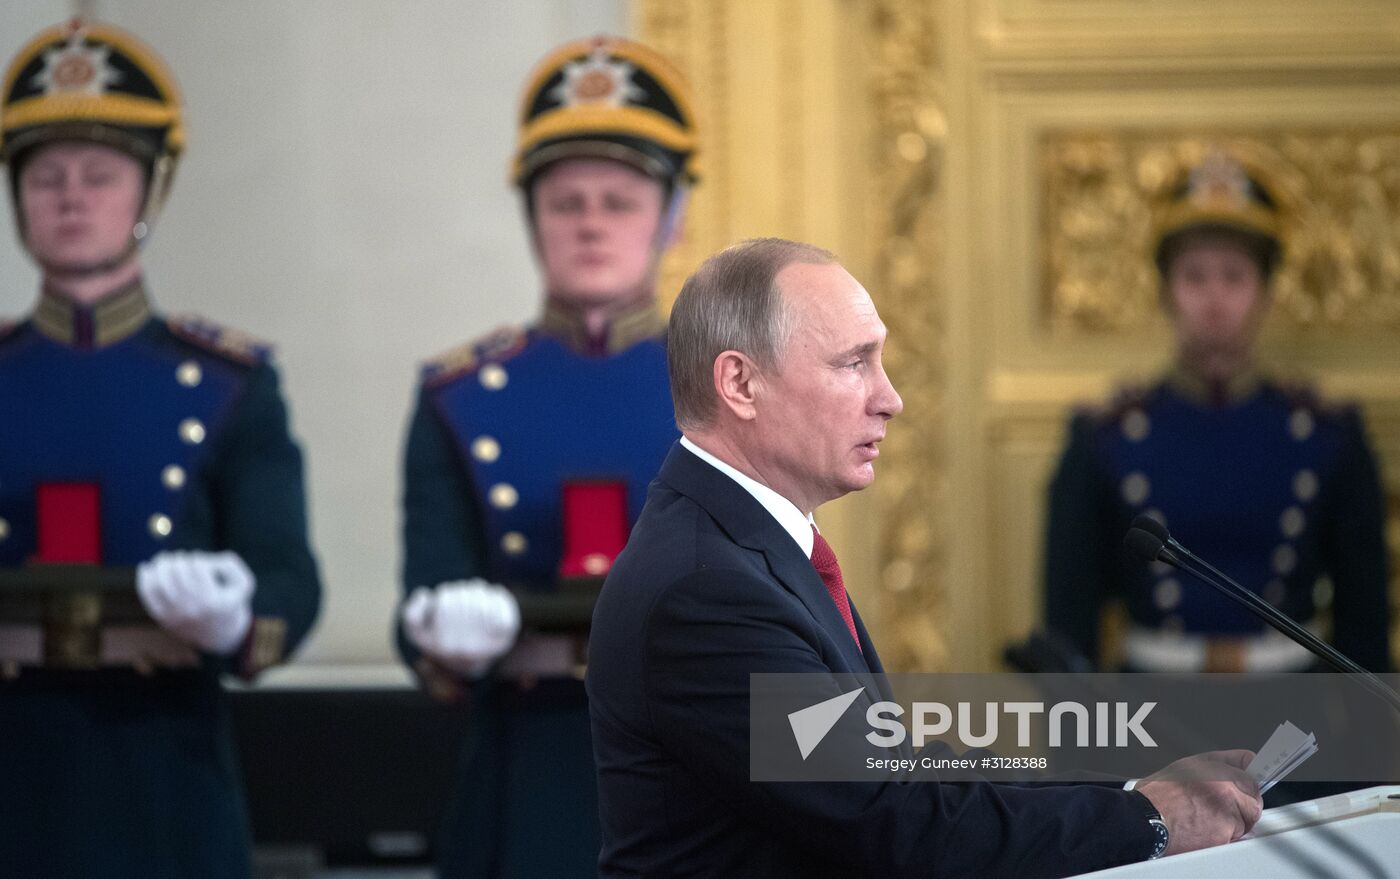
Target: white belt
(142,647)
(1156,650)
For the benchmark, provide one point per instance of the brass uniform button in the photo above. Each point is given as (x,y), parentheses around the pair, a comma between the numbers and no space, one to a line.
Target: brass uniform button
(192,431)
(1305,485)
(1322,593)
(4,529)
(189,373)
(485,449)
(173,477)
(514,543)
(159,525)
(1167,595)
(1136,425)
(493,377)
(1301,424)
(1136,488)
(503,496)
(1291,522)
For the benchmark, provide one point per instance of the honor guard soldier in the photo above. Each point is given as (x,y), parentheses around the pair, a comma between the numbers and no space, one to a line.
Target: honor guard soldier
(1265,478)
(530,452)
(129,440)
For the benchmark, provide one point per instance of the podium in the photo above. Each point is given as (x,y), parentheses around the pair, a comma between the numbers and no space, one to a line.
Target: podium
(1355,834)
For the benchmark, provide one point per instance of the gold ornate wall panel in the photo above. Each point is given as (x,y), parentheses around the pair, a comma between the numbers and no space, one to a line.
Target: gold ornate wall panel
(772,81)
(1339,196)
(1079,113)
(692,36)
(909,132)
(985,168)
(789,93)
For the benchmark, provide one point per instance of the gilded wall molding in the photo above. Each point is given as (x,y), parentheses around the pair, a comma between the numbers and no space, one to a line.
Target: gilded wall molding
(767,147)
(829,120)
(909,141)
(1339,193)
(693,36)
(1238,35)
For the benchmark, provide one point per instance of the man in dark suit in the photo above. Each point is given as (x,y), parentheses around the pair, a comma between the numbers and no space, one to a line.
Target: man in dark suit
(776,374)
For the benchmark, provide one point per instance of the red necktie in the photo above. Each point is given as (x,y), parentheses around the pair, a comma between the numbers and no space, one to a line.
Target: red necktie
(824,560)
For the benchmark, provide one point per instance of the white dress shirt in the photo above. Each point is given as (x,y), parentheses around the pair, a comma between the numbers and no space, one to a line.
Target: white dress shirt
(795,522)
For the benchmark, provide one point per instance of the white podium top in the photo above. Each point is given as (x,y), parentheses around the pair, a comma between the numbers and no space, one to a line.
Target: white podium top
(1354,835)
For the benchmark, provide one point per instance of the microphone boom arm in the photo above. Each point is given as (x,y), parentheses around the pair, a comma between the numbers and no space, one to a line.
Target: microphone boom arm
(1157,544)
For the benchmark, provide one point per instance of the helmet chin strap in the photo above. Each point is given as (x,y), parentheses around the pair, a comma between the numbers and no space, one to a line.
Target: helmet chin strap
(671,219)
(670,223)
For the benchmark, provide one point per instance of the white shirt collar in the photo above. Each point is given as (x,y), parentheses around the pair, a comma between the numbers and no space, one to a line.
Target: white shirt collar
(796,523)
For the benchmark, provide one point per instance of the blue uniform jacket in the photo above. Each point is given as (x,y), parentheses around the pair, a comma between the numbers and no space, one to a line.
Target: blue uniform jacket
(181,425)
(1271,484)
(499,426)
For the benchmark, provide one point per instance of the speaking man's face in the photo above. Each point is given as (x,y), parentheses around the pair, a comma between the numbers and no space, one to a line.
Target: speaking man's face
(822,413)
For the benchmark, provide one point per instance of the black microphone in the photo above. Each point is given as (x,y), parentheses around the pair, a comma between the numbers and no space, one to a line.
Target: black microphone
(1150,540)
(1142,542)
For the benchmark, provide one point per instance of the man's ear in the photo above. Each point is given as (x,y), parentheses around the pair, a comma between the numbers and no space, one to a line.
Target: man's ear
(737,384)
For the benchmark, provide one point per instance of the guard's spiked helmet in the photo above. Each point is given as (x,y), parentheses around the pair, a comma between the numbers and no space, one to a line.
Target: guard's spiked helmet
(607,97)
(88,81)
(1219,196)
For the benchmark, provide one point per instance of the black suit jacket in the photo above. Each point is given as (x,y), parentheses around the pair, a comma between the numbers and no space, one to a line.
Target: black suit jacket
(711,589)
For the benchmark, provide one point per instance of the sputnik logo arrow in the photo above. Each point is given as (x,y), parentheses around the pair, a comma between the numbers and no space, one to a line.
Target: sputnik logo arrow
(811,724)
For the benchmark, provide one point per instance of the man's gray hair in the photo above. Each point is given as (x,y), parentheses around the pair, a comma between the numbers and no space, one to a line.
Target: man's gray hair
(731,303)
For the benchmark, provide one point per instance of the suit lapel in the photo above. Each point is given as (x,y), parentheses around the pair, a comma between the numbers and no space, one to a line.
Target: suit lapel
(748,524)
(868,652)
(792,567)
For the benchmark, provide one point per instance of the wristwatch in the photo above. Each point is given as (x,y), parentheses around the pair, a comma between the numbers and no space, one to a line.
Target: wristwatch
(1154,817)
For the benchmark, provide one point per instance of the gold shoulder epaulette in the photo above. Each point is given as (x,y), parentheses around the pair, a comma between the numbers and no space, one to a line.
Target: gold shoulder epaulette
(450,364)
(1125,397)
(233,344)
(500,344)
(494,347)
(1298,391)
(1302,394)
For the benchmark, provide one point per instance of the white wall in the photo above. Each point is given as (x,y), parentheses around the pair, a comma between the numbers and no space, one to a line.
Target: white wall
(343,195)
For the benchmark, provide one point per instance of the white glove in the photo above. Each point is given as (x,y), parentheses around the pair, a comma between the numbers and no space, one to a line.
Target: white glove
(465,625)
(205,598)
